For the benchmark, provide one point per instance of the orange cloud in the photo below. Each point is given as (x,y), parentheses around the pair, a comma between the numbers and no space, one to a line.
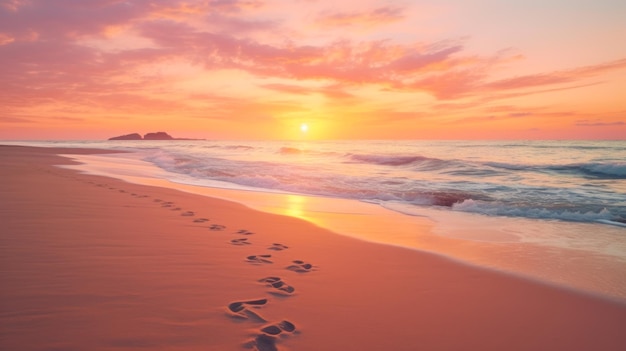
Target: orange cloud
(332,91)
(598,123)
(557,77)
(375,17)
(122,58)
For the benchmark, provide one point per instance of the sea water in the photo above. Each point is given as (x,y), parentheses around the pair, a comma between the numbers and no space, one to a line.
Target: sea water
(580,181)
(558,194)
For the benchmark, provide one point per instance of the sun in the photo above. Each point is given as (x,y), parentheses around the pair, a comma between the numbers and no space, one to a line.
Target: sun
(304,127)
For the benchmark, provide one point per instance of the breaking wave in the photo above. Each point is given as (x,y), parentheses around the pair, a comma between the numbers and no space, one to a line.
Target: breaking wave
(516,210)
(387,160)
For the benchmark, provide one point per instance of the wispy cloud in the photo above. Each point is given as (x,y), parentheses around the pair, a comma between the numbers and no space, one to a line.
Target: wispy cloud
(557,77)
(335,91)
(598,123)
(372,18)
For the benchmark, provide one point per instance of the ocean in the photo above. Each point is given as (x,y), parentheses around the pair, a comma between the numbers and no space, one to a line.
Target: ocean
(558,194)
(561,180)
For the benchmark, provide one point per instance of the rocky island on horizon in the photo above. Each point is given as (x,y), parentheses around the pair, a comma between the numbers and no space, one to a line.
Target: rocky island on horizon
(149,136)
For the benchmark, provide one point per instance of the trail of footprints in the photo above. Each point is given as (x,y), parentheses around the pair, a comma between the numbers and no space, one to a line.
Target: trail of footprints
(268,335)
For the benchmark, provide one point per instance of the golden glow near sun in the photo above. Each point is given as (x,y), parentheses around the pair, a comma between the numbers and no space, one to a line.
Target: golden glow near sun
(304,127)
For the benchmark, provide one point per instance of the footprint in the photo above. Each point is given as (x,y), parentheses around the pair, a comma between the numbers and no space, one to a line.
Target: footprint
(275,329)
(244,232)
(217,227)
(187,213)
(167,204)
(300,267)
(240,241)
(158,200)
(263,342)
(258,259)
(177,209)
(200,220)
(122,191)
(281,287)
(267,340)
(241,309)
(278,247)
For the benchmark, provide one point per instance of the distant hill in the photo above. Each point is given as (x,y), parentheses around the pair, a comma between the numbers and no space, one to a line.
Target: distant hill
(149,136)
(133,136)
(157,136)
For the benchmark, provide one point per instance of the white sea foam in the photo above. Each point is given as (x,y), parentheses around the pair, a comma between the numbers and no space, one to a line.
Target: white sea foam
(500,209)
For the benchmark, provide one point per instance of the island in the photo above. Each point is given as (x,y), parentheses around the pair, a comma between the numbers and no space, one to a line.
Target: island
(158,136)
(149,136)
(133,136)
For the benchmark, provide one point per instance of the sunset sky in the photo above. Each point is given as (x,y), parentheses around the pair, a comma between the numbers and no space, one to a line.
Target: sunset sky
(259,69)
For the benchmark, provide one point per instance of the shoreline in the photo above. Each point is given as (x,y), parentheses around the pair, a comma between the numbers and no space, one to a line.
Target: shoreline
(501,244)
(92,266)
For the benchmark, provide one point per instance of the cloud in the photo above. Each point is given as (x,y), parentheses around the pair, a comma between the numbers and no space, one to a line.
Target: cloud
(49,55)
(39,119)
(372,18)
(235,5)
(9,119)
(67,19)
(181,10)
(520,114)
(331,91)
(442,69)
(596,123)
(288,88)
(6,39)
(556,77)
(237,25)
(346,62)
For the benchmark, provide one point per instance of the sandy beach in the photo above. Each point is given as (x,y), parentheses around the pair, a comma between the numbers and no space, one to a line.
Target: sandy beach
(94,263)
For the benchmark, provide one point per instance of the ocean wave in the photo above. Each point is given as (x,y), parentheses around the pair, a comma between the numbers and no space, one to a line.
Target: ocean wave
(388,160)
(496,187)
(508,166)
(607,170)
(516,210)
(237,147)
(613,170)
(443,198)
(290,151)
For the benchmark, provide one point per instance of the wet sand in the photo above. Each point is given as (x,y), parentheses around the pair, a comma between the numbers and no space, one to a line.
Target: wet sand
(94,263)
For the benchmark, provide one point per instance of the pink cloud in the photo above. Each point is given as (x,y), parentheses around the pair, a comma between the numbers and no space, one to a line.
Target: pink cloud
(67,19)
(45,58)
(15,120)
(441,69)
(557,77)
(375,17)
(331,91)
(288,88)
(598,123)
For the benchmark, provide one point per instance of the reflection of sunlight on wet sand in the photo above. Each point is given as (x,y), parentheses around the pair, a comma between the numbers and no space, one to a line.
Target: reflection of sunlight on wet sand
(294,206)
